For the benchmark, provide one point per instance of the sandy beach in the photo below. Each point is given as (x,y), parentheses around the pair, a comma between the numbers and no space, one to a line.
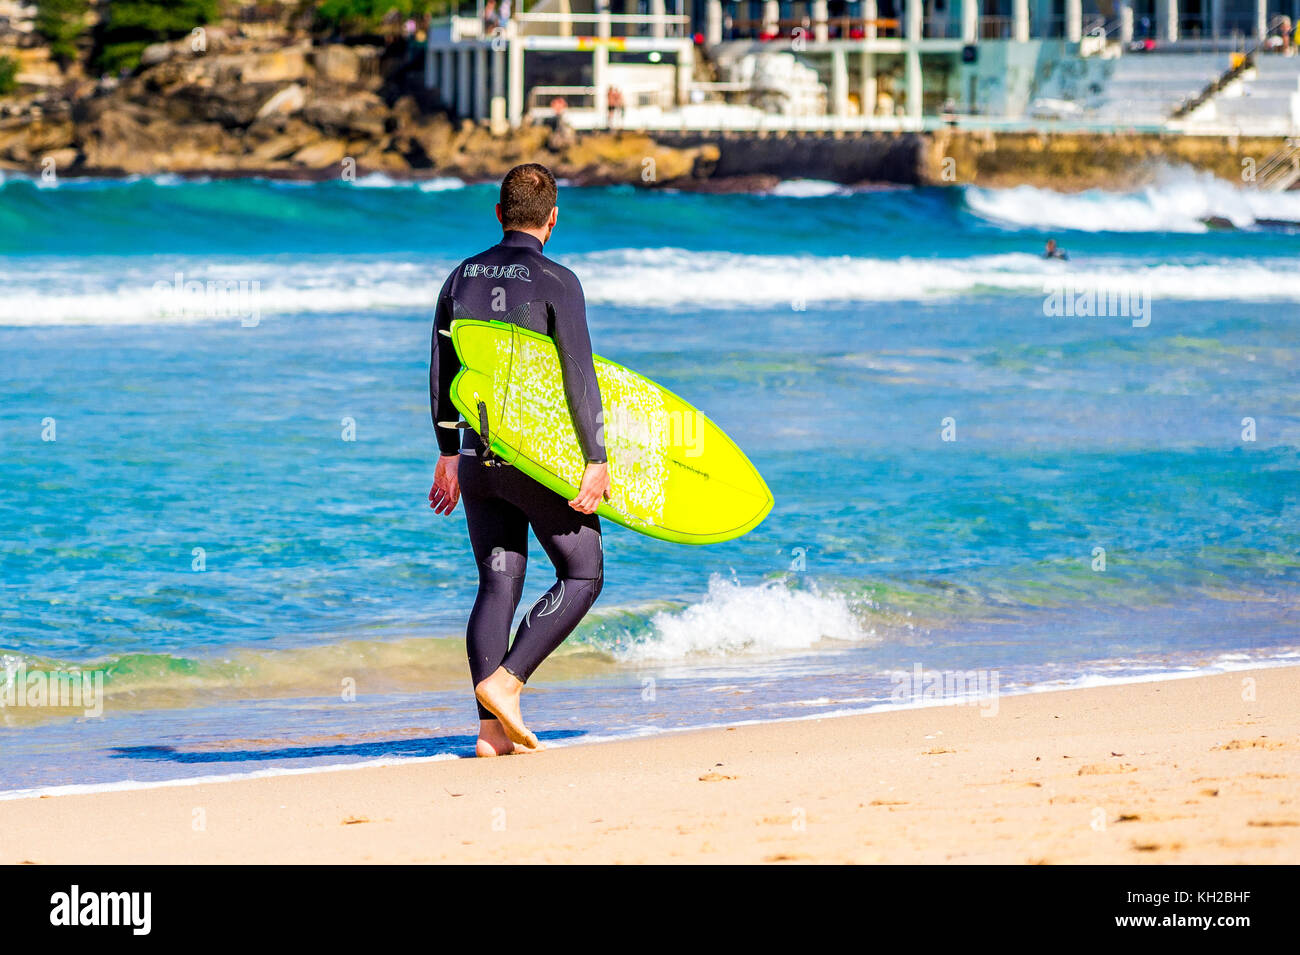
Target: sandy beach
(1197,770)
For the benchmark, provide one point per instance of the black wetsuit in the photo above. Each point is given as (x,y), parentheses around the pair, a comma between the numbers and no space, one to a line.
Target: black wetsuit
(514,282)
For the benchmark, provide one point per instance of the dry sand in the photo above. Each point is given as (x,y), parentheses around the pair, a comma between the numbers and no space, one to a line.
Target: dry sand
(1195,770)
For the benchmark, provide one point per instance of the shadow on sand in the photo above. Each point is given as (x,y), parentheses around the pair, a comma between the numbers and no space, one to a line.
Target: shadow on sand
(460,745)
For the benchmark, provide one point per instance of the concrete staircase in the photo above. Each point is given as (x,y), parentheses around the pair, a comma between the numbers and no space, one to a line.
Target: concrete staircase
(1146,88)
(1266,99)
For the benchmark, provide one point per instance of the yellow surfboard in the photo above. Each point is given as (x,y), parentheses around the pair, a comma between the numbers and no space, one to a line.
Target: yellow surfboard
(674,474)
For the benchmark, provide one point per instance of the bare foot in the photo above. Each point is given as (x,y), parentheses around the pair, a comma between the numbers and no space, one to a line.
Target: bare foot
(500,693)
(492,740)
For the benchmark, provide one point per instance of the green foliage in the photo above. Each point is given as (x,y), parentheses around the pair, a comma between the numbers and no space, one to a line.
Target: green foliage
(8,75)
(131,25)
(367,16)
(62,22)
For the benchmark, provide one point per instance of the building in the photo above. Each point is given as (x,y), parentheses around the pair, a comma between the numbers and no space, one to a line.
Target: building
(873,64)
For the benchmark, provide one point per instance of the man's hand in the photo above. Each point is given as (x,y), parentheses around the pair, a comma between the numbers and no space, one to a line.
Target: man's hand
(595,486)
(446,485)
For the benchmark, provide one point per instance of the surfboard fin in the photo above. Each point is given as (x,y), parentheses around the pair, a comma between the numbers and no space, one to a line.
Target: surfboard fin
(453,424)
(490,458)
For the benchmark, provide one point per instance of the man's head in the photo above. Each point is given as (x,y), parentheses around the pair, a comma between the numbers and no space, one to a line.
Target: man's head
(527,203)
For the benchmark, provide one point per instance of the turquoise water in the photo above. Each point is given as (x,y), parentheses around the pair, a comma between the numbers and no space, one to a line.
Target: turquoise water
(230,521)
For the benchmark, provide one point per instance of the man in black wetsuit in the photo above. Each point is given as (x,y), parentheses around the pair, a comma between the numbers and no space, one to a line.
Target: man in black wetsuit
(514,282)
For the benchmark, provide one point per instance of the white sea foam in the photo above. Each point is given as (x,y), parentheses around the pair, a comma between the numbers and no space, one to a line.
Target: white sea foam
(807,189)
(736,619)
(1179,201)
(672,277)
(379,180)
(373,180)
(442,184)
(109,290)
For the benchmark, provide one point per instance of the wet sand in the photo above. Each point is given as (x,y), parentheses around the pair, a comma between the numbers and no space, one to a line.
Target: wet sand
(1198,770)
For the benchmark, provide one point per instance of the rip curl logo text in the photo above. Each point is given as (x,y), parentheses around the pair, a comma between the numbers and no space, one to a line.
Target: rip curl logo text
(475,271)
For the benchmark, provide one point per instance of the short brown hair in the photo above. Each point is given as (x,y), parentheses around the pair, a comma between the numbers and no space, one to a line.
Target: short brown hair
(528,195)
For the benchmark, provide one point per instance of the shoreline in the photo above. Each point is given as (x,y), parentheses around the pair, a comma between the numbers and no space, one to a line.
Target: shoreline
(1166,770)
(51,719)
(1085,682)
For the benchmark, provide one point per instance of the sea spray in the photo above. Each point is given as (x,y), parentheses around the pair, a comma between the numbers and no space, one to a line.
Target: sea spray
(1179,200)
(735,618)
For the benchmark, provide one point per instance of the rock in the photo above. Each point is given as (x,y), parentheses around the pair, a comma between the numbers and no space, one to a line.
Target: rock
(606,157)
(64,158)
(322,154)
(175,73)
(405,111)
(232,106)
(198,147)
(429,141)
(214,38)
(382,160)
(279,66)
(289,100)
(269,140)
(361,113)
(24,143)
(474,152)
(36,67)
(156,53)
(337,63)
(119,139)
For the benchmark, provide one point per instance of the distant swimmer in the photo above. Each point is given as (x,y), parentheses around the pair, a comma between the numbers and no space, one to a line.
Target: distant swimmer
(1052,252)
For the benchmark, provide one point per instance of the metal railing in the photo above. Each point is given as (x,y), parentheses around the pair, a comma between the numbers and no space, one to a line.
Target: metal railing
(939,27)
(674,26)
(997,28)
(1234,72)
(620,24)
(579,96)
(1054,27)
(635,96)
(790,28)
(1281,170)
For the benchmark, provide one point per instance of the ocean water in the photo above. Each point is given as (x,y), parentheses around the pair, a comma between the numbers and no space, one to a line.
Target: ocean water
(214,499)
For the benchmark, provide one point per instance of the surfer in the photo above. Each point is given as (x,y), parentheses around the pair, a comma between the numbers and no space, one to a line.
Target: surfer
(514,282)
(1053,252)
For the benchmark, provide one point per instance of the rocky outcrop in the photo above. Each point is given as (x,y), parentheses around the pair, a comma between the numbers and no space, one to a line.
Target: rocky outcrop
(299,109)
